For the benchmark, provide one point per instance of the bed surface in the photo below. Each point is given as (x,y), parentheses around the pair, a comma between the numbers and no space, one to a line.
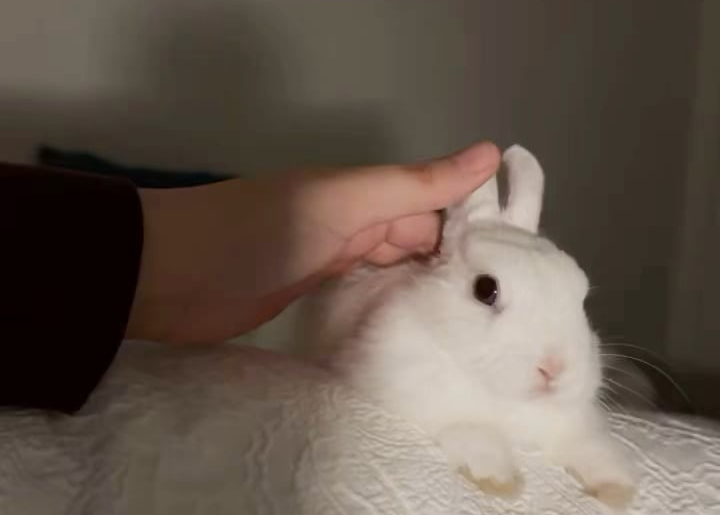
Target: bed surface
(237,430)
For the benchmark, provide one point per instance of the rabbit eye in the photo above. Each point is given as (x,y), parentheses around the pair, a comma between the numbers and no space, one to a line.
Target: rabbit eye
(485,289)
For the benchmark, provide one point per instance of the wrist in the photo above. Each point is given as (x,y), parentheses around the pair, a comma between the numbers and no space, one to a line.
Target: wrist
(146,312)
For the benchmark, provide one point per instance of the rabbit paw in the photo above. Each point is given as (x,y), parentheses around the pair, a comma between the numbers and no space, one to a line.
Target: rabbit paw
(607,476)
(482,457)
(504,484)
(614,495)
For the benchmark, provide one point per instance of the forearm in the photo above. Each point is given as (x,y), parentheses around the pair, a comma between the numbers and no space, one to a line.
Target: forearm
(213,262)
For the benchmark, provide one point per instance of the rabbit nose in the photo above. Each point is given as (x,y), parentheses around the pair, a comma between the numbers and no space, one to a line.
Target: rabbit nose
(550,368)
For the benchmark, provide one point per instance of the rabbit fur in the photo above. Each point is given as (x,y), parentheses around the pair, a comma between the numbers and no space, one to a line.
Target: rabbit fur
(480,377)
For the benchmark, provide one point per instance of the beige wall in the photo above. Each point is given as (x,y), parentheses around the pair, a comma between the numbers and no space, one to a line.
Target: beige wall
(598,89)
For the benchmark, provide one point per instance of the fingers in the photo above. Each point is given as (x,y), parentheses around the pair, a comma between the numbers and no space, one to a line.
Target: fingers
(386,254)
(416,233)
(356,199)
(406,237)
(386,243)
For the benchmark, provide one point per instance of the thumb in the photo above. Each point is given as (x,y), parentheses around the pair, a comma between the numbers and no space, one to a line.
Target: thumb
(362,197)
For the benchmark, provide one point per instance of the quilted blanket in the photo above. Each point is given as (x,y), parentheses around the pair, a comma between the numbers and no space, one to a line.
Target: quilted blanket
(237,430)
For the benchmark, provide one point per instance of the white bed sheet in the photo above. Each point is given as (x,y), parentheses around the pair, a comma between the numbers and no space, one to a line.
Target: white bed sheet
(236,430)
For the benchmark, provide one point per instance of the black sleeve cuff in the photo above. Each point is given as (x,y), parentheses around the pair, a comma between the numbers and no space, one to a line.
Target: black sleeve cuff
(69,265)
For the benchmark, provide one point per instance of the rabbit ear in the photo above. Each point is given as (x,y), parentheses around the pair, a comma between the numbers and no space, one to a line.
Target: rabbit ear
(525,188)
(481,204)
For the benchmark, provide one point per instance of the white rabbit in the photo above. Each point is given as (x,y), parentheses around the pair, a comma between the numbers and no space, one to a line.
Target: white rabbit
(485,347)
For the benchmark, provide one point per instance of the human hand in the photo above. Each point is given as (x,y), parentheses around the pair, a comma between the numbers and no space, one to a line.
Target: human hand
(221,259)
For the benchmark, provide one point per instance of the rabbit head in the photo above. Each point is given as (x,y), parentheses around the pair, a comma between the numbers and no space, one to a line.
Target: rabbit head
(505,304)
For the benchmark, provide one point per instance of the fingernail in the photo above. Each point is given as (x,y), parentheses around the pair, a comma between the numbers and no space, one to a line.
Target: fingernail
(478,157)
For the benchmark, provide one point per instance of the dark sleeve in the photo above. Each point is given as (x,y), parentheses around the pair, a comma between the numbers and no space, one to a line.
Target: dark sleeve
(69,264)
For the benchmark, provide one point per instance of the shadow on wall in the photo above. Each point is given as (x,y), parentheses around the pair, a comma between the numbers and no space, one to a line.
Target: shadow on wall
(210,91)
(207,91)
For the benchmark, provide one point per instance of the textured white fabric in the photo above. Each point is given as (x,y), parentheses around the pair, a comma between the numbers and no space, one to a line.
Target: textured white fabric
(240,431)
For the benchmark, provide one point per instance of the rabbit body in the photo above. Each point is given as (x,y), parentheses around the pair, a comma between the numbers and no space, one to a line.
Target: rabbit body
(485,347)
